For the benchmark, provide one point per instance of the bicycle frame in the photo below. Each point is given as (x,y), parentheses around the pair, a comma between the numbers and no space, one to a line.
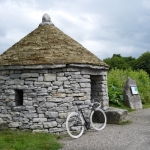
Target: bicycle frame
(86,123)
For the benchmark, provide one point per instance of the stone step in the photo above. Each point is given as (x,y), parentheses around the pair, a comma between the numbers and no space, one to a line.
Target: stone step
(116,115)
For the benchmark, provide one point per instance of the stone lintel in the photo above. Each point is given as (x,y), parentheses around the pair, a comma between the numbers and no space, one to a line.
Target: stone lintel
(52,66)
(32,67)
(89,66)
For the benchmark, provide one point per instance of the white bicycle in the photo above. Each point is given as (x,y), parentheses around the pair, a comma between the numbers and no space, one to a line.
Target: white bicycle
(76,122)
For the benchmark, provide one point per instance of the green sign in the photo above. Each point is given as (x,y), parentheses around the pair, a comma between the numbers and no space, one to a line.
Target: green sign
(134,90)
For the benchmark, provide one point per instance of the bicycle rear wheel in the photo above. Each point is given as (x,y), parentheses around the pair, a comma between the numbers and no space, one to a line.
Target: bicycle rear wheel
(75,125)
(98,119)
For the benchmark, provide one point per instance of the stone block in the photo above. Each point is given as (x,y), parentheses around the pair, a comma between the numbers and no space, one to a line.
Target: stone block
(2,82)
(40,78)
(63,115)
(59,95)
(41,115)
(50,124)
(36,126)
(1,120)
(9,91)
(75,86)
(49,105)
(31,79)
(10,104)
(27,103)
(5,72)
(56,100)
(50,77)
(15,76)
(60,74)
(40,99)
(4,78)
(14,124)
(51,114)
(83,80)
(39,70)
(83,98)
(65,105)
(67,86)
(76,76)
(25,126)
(68,99)
(89,71)
(62,78)
(58,83)
(43,131)
(61,90)
(29,75)
(17,119)
(39,119)
(42,84)
(18,82)
(49,89)
(66,83)
(60,121)
(116,115)
(86,76)
(87,90)
(28,82)
(68,91)
(56,130)
(19,108)
(30,115)
(29,94)
(85,85)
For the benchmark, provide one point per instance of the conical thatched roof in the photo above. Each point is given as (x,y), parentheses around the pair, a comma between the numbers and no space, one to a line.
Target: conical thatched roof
(47,45)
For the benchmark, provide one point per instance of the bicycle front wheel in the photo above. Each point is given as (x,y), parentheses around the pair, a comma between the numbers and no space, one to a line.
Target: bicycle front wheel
(98,119)
(75,125)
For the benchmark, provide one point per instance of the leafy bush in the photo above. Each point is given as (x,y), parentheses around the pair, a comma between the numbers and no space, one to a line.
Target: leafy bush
(115,95)
(117,79)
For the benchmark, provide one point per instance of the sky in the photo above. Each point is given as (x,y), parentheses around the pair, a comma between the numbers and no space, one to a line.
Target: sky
(104,27)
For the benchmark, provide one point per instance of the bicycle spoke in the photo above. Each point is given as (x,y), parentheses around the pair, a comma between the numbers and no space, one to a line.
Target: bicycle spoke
(98,119)
(75,125)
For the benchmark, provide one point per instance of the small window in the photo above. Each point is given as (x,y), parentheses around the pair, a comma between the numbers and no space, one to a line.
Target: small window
(19,97)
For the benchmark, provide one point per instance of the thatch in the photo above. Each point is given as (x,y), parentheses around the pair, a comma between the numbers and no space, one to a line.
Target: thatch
(47,45)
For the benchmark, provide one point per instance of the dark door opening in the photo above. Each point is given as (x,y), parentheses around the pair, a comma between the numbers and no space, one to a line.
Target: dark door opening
(96,87)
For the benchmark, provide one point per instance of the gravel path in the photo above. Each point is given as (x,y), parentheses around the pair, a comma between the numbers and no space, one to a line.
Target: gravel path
(134,136)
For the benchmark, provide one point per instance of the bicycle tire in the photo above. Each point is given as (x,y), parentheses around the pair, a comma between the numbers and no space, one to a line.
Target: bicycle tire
(75,125)
(98,119)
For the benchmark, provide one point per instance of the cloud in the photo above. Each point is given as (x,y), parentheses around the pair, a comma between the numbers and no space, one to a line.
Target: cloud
(103,27)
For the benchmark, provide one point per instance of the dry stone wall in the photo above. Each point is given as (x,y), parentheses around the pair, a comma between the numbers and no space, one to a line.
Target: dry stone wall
(48,96)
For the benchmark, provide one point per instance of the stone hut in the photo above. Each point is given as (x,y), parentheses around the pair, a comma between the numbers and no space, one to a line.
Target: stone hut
(43,75)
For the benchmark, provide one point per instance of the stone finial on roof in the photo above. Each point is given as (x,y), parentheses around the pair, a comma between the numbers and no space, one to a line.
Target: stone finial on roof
(46,20)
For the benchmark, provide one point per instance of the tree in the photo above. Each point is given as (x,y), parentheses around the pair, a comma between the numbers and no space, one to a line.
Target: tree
(130,61)
(117,61)
(143,62)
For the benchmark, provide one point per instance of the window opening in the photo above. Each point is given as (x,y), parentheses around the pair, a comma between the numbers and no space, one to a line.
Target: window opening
(19,97)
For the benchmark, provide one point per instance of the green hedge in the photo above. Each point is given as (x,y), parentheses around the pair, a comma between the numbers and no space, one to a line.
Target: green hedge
(117,79)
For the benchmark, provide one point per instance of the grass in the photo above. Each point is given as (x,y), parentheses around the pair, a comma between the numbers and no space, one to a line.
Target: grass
(146,106)
(125,122)
(21,140)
